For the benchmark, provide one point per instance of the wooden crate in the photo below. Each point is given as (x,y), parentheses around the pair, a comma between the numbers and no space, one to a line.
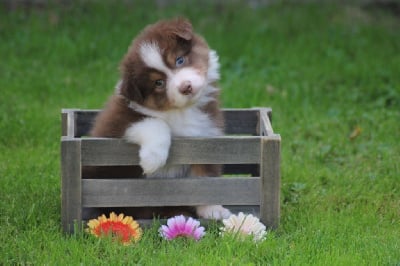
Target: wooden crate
(249,151)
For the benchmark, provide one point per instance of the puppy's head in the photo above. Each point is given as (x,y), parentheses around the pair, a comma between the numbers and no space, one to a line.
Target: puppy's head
(168,66)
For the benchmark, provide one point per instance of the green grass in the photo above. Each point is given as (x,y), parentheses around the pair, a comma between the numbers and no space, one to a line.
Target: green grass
(324,69)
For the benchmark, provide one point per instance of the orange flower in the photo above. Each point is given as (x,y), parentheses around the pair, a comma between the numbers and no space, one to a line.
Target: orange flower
(125,229)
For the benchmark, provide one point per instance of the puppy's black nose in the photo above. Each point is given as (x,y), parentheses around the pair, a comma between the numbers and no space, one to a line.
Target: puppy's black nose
(186,88)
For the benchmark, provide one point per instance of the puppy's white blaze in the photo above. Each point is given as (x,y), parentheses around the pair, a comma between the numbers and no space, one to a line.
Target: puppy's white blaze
(154,138)
(213,67)
(191,75)
(151,55)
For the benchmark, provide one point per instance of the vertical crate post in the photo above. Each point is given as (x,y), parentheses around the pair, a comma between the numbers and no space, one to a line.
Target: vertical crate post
(71,174)
(269,171)
(71,183)
(270,181)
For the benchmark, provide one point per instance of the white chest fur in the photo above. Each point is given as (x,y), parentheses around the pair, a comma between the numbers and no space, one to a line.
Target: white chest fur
(191,122)
(187,122)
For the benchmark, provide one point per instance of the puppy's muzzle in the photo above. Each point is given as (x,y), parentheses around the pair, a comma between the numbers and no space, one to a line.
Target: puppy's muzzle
(186,88)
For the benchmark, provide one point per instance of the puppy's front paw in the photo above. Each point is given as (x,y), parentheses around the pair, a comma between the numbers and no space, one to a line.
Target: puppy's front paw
(154,137)
(152,158)
(216,212)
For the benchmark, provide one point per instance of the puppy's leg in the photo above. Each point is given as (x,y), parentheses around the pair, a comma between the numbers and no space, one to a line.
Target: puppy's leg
(154,137)
(216,212)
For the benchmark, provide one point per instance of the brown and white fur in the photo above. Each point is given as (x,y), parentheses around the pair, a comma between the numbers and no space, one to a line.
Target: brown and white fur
(168,88)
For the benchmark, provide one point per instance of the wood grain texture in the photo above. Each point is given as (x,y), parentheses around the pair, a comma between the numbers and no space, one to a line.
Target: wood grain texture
(64,123)
(219,150)
(68,117)
(71,197)
(170,192)
(270,181)
(265,123)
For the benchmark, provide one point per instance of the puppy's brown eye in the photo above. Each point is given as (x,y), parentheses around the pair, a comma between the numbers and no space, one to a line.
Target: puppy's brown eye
(159,83)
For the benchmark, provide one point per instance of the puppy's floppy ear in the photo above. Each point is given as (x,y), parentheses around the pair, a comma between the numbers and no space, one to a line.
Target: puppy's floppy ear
(129,84)
(183,29)
(129,89)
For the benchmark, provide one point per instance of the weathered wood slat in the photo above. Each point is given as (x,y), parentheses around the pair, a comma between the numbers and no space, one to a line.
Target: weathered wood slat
(64,123)
(270,181)
(265,123)
(170,192)
(68,117)
(70,183)
(220,150)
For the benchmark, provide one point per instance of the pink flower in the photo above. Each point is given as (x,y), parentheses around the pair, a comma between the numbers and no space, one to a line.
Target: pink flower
(178,226)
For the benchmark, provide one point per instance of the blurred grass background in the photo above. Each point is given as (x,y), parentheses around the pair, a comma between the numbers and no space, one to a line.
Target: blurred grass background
(330,71)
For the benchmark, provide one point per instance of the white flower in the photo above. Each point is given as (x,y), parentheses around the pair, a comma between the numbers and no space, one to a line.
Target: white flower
(244,225)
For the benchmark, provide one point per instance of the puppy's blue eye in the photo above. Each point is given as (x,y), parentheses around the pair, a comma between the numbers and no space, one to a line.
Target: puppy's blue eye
(179,61)
(159,83)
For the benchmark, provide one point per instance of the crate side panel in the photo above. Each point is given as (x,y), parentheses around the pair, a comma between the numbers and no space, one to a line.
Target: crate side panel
(170,192)
(108,152)
(223,150)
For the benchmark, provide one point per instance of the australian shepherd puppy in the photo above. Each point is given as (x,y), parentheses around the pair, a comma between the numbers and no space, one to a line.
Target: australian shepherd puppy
(167,88)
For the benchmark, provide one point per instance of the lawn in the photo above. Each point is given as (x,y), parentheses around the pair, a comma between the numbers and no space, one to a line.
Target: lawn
(331,73)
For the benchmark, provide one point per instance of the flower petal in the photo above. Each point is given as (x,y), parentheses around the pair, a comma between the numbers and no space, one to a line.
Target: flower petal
(244,225)
(199,233)
(122,228)
(178,226)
